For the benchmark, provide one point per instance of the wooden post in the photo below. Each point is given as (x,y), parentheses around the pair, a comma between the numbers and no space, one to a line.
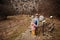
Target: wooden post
(43,22)
(43,28)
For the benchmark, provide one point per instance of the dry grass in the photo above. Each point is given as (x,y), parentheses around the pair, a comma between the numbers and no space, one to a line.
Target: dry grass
(21,20)
(23,23)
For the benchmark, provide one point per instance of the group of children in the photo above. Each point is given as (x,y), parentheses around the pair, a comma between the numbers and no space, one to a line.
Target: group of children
(35,22)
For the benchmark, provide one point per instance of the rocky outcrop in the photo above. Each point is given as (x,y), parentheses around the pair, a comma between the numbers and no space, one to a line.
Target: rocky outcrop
(13,7)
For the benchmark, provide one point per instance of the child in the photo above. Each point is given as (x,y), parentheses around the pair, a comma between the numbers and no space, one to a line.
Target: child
(36,22)
(33,26)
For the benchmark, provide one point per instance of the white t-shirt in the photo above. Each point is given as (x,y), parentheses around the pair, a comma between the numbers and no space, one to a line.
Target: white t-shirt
(41,18)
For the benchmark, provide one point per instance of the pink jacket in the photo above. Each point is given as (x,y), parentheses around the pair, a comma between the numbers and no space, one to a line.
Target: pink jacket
(33,26)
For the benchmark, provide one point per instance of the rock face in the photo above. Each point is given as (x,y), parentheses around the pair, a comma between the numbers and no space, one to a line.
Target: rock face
(25,6)
(49,7)
(12,7)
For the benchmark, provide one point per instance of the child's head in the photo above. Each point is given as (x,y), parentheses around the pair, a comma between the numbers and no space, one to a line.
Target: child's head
(36,15)
(51,17)
(32,16)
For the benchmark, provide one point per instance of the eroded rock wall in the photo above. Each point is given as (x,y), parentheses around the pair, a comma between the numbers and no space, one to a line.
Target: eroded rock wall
(11,7)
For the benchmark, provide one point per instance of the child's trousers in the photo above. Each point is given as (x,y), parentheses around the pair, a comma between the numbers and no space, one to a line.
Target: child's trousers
(33,32)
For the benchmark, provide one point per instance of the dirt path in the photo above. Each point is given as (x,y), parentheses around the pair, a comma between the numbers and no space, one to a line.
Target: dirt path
(26,36)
